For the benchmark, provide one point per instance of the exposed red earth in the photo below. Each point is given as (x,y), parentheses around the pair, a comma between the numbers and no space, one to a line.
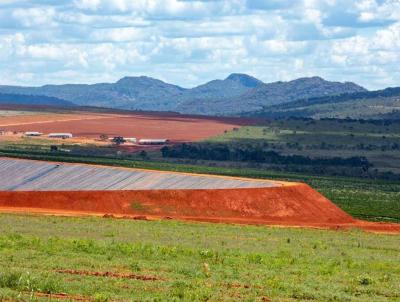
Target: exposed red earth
(294,204)
(175,127)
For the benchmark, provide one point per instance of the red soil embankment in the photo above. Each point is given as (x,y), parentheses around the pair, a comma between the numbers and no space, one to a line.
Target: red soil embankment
(290,205)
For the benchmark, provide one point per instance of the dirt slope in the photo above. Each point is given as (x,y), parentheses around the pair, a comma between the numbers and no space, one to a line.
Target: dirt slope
(293,204)
(284,203)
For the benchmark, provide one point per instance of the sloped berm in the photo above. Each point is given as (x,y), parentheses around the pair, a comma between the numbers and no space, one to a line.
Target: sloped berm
(80,189)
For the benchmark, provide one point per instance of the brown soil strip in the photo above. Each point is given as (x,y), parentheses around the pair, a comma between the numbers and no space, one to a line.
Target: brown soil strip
(109,275)
(371,227)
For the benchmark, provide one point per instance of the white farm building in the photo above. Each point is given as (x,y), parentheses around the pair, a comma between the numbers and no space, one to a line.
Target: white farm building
(131,139)
(33,133)
(60,135)
(154,141)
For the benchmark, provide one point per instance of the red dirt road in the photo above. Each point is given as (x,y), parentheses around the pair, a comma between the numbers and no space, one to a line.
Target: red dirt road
(141,125)
(291,205)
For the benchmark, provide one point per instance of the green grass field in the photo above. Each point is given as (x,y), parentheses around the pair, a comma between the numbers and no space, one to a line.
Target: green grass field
(193,261)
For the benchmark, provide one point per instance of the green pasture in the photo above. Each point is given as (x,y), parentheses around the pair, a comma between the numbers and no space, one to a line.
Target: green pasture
(193,261)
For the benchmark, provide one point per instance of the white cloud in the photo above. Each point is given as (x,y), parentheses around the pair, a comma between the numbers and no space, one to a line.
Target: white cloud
(388,38)
(189,42)
(117,34)
(33,17)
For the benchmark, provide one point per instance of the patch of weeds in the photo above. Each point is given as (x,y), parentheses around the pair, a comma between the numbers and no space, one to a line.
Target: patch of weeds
(179,289)
(30,283)
(135,267)
(206,254)
(255,258)
(301,295)
(10,279)
(137,206)
(109,234)
(101,298)
(186,272)
(364,280)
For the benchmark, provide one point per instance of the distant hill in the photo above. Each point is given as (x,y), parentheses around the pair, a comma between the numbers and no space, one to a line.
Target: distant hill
(21,99)
(263,95)
(359,105)
(235,94)
(234,85)
(142,93)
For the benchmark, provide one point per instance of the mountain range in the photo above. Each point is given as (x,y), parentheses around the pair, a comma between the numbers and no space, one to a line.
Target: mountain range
(234,95)
(379,104)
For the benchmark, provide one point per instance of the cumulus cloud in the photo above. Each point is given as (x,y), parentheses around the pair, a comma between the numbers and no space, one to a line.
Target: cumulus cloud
(188,42)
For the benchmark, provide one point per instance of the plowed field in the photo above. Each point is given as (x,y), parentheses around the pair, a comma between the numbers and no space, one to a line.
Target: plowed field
(141,125)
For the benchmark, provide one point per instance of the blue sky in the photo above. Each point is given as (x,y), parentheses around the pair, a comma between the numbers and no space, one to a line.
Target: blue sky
(190,42)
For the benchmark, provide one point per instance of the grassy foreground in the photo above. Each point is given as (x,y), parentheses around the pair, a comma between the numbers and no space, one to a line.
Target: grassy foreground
(193,261)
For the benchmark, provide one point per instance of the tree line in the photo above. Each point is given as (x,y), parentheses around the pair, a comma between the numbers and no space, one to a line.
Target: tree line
(222,152)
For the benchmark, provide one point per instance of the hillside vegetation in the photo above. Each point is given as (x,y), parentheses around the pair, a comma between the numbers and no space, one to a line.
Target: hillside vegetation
(22,99)
(273,93)
(380,104)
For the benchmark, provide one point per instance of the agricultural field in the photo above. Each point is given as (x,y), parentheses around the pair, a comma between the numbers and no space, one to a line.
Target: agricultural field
(14,121)
(43,144)
(378,141)
(86,124)
(99,259)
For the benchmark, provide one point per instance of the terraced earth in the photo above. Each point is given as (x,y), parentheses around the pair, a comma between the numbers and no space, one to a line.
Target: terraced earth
(81,189)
